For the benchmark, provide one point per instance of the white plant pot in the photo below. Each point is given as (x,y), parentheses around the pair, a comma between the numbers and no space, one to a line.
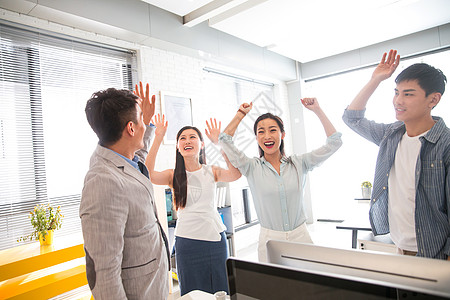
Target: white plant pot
(366,192)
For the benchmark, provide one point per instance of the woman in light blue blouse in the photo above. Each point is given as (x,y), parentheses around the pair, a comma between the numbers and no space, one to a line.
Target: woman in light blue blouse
(276,181)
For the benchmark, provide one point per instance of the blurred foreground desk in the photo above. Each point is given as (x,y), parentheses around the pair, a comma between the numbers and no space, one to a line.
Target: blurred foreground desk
(354,226)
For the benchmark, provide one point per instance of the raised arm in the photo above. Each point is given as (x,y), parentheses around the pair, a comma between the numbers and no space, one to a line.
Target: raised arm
(164,177)
(243,110)
(383,71)
(213,131)
(226,175)
(220,174)
(148,109)
(313,105)
(147,105)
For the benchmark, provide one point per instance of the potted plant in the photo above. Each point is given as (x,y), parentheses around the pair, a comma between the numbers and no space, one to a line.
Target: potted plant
(44,219)
(366,189)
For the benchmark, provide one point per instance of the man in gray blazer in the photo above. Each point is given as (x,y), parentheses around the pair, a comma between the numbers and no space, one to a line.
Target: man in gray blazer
(126,248)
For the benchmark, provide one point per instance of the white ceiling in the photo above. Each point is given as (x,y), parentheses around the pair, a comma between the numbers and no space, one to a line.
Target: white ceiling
(306,30)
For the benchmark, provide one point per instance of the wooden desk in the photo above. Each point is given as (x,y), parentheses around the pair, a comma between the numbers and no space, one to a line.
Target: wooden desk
(354,227)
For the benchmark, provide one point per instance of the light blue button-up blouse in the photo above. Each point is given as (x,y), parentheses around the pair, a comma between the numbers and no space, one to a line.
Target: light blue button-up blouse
(278,198)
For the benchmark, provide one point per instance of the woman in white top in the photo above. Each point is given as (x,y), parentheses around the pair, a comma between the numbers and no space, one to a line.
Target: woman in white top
(276,181)
(200,241)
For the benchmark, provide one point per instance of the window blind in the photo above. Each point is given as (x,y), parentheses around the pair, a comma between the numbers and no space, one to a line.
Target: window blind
(45,140)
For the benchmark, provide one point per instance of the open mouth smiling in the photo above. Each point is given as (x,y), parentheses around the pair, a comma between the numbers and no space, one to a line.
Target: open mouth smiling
(269,144)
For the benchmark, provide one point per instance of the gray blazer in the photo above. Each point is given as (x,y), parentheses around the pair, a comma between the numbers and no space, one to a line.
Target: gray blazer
(125,252)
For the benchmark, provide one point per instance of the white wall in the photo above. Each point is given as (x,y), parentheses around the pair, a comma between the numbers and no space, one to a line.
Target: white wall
(412,44)
(169,71)
(137,22)
(162,63)
(177,73)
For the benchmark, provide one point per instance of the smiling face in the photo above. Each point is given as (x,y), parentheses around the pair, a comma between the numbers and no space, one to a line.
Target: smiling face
(411,103)
(189,143)
(269,136)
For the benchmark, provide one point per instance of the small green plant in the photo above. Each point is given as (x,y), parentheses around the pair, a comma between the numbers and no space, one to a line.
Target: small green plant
(366,184)
(44,217)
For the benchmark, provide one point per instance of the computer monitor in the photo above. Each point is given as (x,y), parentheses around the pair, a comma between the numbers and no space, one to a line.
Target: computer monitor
(252,280)
(326,271)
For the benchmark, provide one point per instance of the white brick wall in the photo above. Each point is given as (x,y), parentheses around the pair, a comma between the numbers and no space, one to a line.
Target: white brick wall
(171,72)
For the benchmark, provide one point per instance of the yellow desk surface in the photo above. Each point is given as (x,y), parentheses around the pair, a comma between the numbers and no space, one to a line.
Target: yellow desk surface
(32,257)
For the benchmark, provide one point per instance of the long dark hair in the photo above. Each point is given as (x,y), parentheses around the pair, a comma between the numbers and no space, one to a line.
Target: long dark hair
(179,174)
(279,123)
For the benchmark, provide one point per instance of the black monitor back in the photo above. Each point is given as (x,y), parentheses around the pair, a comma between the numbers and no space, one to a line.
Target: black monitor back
(252,280)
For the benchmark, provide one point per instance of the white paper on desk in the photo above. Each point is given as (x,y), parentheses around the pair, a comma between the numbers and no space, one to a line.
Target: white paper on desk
(198,295)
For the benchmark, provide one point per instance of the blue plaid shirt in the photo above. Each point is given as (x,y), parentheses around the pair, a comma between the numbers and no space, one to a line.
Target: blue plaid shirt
(432,220)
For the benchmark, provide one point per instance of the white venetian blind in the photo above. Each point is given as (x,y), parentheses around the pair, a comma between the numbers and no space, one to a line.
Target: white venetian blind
(45,140)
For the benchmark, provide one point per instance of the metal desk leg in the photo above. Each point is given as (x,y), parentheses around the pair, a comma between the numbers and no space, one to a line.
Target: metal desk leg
(354,238)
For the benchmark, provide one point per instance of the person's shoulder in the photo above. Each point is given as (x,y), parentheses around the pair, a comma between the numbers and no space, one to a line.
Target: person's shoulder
(102,171)
(440,129)
(445,137)
(257,160)
(295,158)
(445,141)
(446,130)
(100,164)
(396,124)
(393,128)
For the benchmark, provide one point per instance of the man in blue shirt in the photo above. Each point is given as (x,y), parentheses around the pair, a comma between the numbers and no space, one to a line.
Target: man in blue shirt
(411,198)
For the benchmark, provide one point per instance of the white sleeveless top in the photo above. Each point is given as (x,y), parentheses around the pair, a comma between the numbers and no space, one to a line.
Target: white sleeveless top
(199,219)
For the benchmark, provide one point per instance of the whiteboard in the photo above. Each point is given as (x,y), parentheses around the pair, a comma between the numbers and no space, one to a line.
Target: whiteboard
(178,111)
